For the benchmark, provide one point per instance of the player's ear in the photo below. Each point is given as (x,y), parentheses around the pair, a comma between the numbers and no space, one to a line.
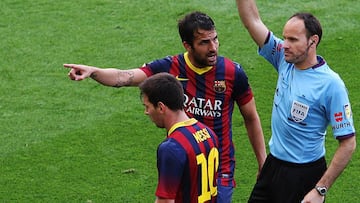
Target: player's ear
(314,39)
(161,106)
(187,46)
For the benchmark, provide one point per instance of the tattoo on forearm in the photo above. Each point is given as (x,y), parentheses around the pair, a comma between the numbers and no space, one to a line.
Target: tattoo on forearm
(125,78)
(93,76)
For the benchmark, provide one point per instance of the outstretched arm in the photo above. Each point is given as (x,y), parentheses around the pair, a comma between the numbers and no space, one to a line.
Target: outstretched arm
(254,131)
(338,163)
(108,76)
(250,17)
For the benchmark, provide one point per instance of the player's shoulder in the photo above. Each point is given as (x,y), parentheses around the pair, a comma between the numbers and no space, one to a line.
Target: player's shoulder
(229,63)
(224,58)
(171,146)
(328,75)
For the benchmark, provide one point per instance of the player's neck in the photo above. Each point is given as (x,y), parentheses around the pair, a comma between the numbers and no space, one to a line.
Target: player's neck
(309,63)
(175,118)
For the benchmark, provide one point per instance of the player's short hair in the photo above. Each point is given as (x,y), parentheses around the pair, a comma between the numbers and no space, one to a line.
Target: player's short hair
(191,23)
(165,88)
(312,24)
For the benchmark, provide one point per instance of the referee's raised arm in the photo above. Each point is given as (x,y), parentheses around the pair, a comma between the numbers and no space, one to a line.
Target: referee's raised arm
(250,18)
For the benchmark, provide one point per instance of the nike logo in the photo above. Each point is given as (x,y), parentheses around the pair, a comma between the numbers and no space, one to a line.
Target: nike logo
(181,79)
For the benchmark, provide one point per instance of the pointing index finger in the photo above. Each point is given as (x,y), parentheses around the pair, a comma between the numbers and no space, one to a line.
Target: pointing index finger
(68,65)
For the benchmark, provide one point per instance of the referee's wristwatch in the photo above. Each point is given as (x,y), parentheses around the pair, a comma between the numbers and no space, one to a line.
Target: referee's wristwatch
(322,190)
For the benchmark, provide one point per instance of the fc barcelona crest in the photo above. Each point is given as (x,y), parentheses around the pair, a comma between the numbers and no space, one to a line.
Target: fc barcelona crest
(219,86)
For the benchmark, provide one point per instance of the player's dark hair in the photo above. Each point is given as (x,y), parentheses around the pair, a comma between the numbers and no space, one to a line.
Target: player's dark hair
(165,88)
(312,24)
(191,23)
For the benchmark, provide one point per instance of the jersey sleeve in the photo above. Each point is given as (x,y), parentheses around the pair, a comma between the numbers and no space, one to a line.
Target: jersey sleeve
(273,51)
(157,66)
(340,113)
(242,91)
(171,159)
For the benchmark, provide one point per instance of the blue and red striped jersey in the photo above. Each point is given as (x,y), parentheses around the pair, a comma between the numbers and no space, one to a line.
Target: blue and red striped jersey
(210,94)
(187,163)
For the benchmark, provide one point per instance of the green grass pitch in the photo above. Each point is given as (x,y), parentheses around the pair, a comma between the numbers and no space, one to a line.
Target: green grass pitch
(66,141)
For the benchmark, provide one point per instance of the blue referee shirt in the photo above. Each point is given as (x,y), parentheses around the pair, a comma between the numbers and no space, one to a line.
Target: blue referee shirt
(305,103)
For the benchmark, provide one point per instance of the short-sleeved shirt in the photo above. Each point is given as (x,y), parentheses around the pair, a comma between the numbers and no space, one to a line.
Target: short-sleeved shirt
(210,94)
(305,103)
(187,163)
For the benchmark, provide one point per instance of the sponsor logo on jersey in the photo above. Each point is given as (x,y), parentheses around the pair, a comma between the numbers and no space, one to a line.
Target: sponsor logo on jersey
(202,107)
(338,116)
(342,125)
(342,119)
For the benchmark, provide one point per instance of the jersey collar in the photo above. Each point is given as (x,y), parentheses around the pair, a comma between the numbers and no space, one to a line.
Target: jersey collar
(181,124)
(197,70)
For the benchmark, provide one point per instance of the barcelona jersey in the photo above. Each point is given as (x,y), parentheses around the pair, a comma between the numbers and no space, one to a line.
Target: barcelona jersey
(187,163)
(210,94)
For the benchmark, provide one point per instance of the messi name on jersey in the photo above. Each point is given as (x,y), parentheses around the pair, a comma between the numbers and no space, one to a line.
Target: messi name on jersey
(201,135)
